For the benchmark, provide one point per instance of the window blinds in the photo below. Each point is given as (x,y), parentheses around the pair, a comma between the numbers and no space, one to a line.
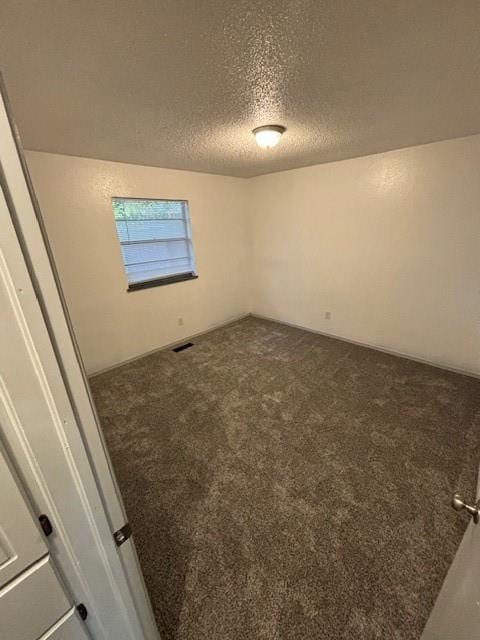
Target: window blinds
(154,237)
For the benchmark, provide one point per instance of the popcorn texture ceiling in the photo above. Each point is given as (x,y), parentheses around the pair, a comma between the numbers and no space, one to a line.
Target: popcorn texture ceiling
(181,83)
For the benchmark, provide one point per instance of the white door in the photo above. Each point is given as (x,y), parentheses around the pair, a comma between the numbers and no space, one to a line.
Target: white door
(33,601)
(456,614)
(21,542)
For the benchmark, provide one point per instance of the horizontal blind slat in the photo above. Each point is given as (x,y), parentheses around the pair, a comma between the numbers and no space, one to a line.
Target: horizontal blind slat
(157,272)
(150,229)
(158,264)
(153,251)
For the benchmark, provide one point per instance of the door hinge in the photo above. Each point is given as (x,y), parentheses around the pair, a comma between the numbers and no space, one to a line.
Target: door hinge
(45,524)
(123,534)
(82,611)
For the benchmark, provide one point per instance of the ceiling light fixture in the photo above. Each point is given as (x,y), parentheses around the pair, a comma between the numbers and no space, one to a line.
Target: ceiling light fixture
(268,135)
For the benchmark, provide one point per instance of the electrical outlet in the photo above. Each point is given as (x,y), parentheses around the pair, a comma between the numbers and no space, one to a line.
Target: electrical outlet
(328,315)
(180,322)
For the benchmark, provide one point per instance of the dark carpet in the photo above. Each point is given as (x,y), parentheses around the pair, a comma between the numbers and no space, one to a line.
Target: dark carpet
(284,485)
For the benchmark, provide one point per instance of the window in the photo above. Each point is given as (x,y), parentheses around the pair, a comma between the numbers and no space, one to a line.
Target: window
(155,240)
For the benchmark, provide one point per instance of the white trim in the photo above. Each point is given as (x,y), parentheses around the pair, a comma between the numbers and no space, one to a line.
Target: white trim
(392,352)
(368,345)
(170,345)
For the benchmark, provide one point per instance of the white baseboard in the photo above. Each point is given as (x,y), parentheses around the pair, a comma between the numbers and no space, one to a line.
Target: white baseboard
(392,352)
(170,345)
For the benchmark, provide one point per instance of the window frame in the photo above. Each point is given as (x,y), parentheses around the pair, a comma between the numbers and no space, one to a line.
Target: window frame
(167,279)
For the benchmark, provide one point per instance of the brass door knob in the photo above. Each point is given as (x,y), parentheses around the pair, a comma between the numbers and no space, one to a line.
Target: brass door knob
(459,504)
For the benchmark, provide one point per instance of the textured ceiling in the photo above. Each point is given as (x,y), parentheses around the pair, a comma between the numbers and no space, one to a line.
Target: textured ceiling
(181,83)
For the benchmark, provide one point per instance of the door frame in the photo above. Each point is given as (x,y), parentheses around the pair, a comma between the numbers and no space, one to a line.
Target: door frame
(115,575)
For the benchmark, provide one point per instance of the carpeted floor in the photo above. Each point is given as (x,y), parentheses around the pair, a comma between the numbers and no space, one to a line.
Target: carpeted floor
(287,486)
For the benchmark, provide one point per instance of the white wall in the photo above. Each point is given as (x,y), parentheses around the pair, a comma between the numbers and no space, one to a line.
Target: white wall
(388,243)
(111,324)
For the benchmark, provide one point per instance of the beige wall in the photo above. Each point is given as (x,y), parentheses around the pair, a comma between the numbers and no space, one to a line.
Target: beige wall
(389,244)
(111,324)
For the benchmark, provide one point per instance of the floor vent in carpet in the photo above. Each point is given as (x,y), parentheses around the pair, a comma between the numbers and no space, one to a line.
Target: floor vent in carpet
(183,346)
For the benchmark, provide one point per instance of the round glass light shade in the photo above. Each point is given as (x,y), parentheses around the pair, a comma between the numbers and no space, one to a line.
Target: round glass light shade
(269,135)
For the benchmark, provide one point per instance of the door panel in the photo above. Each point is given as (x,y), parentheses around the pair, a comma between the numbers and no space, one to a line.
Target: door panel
(68,628)
(456,614)
(31,603)
(21,542)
